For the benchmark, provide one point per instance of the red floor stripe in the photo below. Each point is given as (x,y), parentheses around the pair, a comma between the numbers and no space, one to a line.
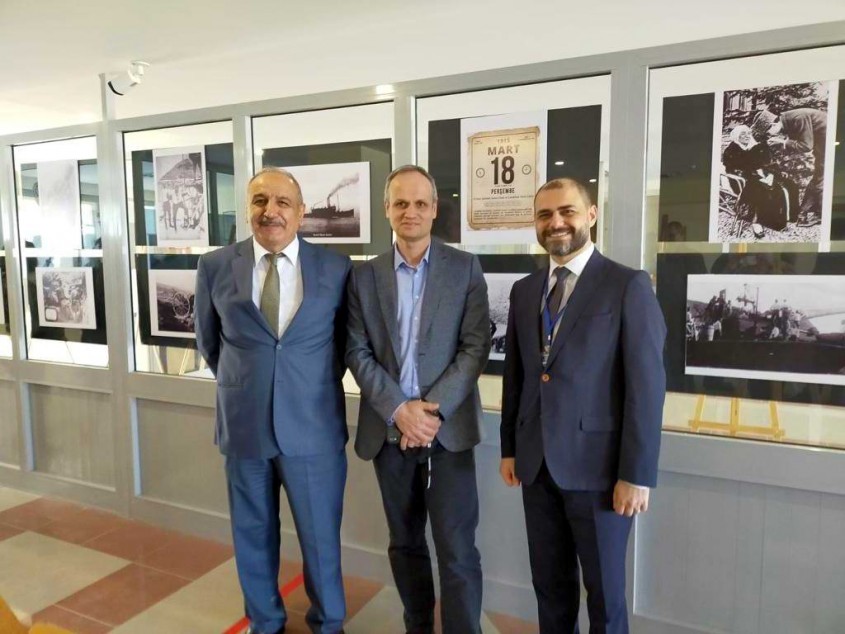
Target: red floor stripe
(285,590)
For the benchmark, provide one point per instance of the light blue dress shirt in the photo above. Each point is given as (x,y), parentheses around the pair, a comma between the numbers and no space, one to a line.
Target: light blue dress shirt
(410,288)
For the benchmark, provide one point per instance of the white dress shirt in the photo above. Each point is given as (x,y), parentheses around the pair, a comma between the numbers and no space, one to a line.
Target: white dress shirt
(290,280)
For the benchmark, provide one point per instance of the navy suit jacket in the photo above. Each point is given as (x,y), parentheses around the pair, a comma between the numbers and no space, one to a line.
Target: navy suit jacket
(274,395)
(595,412)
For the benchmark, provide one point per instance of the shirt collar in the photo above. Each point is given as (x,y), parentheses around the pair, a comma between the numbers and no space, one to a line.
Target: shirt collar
(291,251)
(398,260)
(575,265)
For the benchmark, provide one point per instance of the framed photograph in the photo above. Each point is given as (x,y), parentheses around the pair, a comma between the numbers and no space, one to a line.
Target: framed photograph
(181,201)
(503,164)
(166,287)
(337,202)
(172,302)
(773,167)
(765,326)
(782,327)
(66,297)
(60,225)
(498,294)
(500,273)
(376,154)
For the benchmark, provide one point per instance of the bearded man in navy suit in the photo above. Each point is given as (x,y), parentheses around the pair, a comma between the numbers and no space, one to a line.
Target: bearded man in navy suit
(582,409)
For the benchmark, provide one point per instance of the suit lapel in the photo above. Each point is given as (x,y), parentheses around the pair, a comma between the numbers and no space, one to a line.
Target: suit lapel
(530,320)
(242,269)
(436,279)
(588,283)
(385,280)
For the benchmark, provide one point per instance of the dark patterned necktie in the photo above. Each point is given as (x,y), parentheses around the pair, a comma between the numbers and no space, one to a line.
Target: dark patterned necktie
(555,299)
(270,293)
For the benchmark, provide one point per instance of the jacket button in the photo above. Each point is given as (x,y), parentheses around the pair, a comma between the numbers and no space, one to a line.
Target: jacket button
(278,346)
(545,378)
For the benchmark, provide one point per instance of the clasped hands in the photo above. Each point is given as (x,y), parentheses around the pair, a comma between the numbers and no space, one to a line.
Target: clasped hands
(628,500)
(419,423)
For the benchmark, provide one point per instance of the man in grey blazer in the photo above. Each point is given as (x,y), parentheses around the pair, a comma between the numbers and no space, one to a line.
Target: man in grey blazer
(419,337)
(270,322)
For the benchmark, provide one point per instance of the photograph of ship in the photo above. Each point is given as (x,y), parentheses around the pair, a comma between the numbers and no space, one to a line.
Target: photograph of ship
(337,202)
(776,327)
(172,303)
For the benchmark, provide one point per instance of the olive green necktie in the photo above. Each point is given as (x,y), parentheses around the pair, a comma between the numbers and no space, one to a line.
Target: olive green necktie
(270,294)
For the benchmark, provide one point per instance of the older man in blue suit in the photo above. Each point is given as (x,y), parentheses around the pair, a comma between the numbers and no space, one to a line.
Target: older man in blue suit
(270,322)
(582,409)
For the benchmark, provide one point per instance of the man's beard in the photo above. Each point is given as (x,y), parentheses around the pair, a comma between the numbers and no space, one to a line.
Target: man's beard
(561,248)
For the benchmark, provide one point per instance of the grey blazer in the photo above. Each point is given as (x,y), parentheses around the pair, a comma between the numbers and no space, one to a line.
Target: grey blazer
(453,346)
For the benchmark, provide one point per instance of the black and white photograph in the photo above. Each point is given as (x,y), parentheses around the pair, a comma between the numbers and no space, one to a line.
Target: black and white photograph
(181,197)
(498,295)
(777,327)
(66,297)
(60,224)
(773,163)
(172,303)
(337,202)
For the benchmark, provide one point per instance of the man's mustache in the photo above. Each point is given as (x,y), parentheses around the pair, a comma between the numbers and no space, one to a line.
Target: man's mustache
(264,221)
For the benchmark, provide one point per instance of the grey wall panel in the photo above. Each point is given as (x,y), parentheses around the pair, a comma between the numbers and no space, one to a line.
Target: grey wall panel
(749,557)
(9,424)
(829,609)
(501,532)
(178,460)
(364,525)
(791,556)
(723,556)
(72,434)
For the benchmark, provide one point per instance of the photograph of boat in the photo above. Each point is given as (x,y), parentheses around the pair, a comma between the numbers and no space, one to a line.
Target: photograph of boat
(778,327)
(337,202)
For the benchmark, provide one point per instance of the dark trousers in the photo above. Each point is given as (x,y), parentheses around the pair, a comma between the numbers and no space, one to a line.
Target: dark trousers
(314,487)
(451,502)
(565,528)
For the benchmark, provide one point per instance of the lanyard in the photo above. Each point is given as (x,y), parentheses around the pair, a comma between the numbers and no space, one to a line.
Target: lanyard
(549,323)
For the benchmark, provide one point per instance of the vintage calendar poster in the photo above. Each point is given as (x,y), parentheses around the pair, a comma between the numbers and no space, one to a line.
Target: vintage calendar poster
(504,165)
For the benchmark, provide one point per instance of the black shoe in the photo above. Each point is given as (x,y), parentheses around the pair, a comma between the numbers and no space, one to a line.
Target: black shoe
(252,630)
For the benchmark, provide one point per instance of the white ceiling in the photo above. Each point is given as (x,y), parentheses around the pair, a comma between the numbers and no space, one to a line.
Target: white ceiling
(213,52)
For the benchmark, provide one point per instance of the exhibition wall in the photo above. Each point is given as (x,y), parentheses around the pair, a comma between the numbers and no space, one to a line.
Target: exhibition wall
(103,393)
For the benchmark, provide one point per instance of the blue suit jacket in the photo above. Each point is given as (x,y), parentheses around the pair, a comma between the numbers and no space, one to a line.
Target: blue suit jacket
(597,416)
(274,395)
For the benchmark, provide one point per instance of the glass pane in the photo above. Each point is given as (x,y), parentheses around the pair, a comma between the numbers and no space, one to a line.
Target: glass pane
(341,159)
(474,146)
(745,230)
(58,208)
(181,202)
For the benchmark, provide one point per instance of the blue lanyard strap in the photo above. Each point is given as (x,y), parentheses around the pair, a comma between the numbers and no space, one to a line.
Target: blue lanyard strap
(549,323)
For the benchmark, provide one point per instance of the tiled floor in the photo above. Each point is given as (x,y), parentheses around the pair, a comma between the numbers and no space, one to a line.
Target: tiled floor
(92,572)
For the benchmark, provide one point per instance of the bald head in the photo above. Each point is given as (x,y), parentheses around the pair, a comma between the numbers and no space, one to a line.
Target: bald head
(281,171)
